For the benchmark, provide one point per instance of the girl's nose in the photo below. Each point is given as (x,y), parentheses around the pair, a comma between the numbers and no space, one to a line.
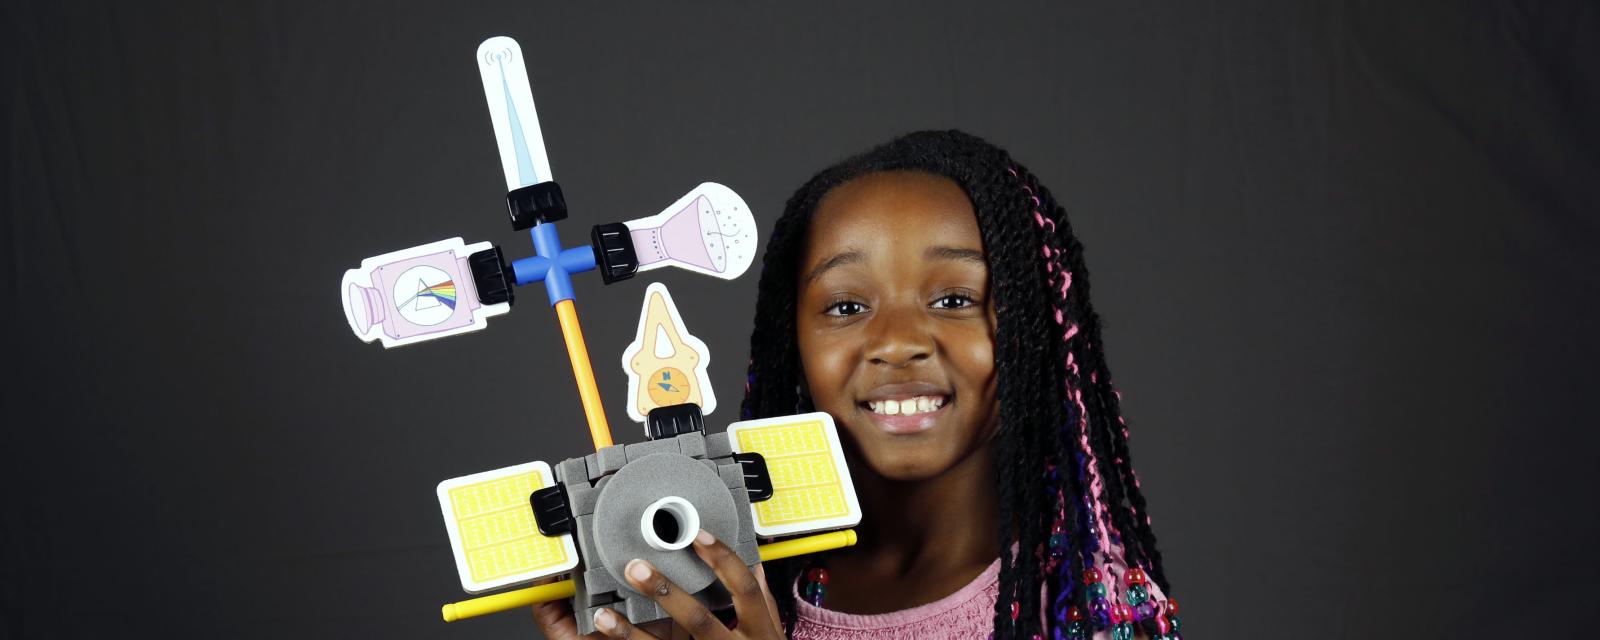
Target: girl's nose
(898,336)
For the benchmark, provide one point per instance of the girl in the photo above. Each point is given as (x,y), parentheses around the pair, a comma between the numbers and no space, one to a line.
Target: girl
(930,296)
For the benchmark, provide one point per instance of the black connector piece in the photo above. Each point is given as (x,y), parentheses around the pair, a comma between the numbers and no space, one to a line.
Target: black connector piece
(674,420)
(551,511)
(536,204)
(492,277)
(757,480)
(614,256)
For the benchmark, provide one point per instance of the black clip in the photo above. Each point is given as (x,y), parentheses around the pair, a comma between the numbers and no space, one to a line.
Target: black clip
(551,511)
(757,480)
(492,278)
(613,251)
(674,420)
(536,204)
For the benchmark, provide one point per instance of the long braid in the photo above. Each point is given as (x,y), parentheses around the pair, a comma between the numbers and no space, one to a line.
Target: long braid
(1108,427)
(1021,366)
(1062,507)
(1076,430)
(1139,540)
(1139,514)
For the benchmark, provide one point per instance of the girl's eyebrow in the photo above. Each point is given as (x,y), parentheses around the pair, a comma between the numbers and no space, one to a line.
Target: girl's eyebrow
(954,253)
(853,256)
(838,260)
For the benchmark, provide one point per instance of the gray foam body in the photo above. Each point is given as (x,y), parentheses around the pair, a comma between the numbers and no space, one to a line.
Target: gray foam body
(610,491)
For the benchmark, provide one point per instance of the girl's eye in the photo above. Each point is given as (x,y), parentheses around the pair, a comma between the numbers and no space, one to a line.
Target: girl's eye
(954,301)
(845,308)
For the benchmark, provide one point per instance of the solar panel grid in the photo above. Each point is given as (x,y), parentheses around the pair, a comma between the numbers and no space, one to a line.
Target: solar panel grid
(493,531)
(498,531)
(805,480)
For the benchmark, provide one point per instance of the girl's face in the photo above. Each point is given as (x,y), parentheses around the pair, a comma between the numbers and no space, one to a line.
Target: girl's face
(894,323)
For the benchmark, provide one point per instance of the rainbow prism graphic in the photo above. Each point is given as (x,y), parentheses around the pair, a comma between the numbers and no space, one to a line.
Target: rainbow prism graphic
(430,295)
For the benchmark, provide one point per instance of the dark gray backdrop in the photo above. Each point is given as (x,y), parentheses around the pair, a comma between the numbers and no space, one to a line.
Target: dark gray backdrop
(1344,252)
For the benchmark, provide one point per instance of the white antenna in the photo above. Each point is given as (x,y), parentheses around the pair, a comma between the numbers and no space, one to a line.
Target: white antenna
(516,123)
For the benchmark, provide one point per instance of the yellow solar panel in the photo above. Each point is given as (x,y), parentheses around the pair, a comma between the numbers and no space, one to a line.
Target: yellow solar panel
(492,531)
(811,488)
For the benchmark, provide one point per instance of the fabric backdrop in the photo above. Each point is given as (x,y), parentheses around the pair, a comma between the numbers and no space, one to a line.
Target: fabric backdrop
(1345,252)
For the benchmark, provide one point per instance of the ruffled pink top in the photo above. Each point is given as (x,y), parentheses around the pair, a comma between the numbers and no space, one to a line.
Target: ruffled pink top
(967,613)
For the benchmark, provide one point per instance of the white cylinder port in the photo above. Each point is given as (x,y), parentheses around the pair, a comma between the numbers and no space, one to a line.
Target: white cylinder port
(669,524)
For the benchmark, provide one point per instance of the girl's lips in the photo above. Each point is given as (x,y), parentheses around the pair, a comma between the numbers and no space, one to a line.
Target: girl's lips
(907,425)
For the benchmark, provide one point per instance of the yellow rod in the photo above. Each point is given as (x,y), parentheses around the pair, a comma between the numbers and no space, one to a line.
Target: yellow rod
(588,391)
(809,544)
(567,588)
(509,600)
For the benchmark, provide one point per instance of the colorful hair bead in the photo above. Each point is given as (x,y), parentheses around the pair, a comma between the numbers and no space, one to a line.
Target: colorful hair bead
(1100,613)
(1058,544)
(1143,612)
(816,587)
(1136,576)
(1137,594)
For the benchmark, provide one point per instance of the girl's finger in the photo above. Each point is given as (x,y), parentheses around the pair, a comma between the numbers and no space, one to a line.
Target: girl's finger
(749,602)
(680,604)
(556,623)
(615,626)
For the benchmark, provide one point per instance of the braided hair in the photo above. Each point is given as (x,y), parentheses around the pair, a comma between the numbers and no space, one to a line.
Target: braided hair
(1077,509)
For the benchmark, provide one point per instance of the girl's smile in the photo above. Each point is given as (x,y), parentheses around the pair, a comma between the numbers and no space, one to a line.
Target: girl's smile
(907,407)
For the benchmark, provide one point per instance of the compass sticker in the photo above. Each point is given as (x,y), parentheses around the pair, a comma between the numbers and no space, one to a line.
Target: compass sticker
(669,386)
(665,364)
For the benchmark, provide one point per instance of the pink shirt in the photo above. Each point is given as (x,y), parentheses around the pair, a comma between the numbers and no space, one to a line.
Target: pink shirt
(967,613)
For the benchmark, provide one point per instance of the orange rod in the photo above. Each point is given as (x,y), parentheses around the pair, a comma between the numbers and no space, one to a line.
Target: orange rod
(588,391)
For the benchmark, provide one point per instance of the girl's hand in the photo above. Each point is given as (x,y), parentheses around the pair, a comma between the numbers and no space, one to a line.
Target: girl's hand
(757,612)
(556,623)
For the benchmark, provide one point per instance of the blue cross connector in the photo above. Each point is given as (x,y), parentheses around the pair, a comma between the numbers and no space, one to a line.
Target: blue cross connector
(552,264)
(537,208)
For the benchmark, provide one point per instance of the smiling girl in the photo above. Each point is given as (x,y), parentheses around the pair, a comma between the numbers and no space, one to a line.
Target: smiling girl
(929,294)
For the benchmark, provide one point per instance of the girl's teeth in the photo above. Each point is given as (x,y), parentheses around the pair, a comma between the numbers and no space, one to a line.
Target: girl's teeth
(908,406)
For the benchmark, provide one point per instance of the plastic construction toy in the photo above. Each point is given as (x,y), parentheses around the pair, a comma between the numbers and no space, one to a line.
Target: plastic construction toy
(588,516)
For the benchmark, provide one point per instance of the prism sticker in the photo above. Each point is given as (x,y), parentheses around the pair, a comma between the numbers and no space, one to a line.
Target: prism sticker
(416,294)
